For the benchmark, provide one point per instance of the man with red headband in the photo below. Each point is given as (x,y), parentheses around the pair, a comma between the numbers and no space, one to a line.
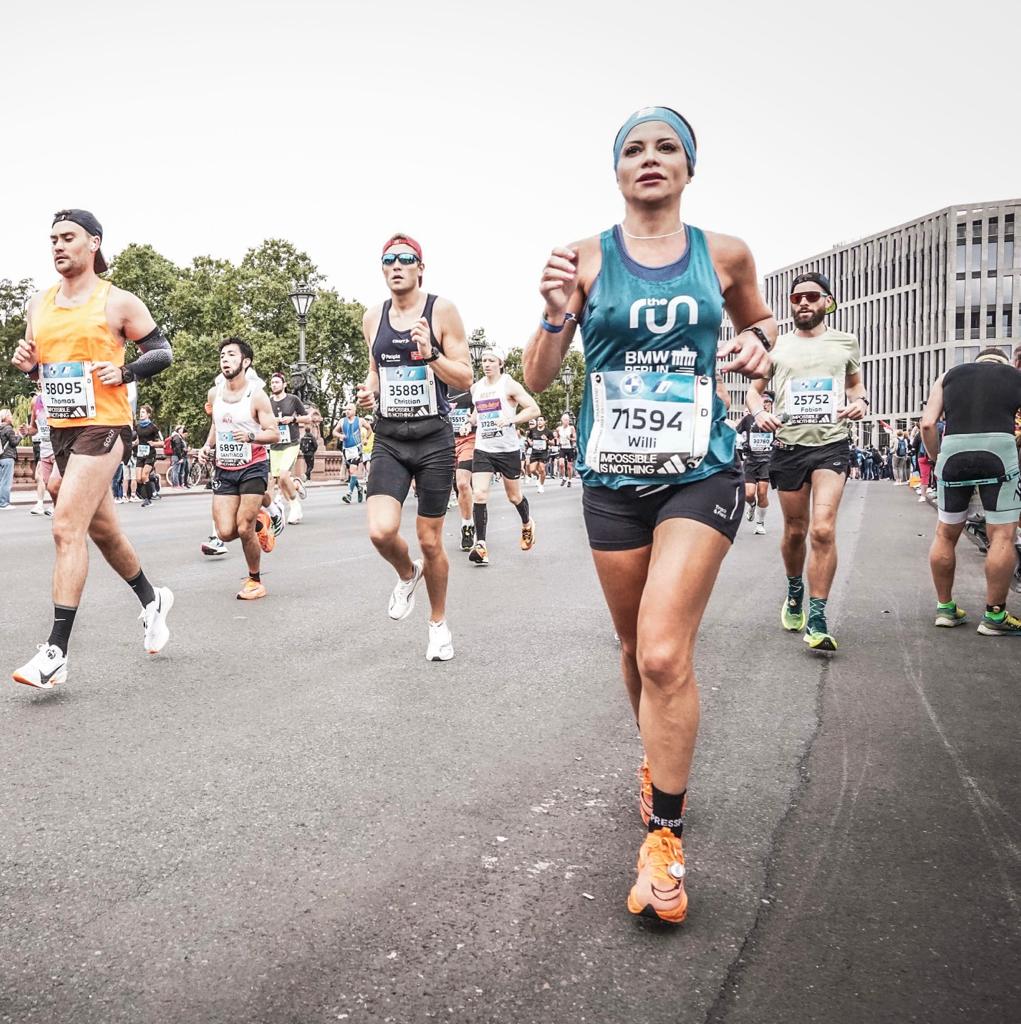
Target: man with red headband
(417,348)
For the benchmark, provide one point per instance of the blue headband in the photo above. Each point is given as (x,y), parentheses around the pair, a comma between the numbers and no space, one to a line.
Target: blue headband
(667,116)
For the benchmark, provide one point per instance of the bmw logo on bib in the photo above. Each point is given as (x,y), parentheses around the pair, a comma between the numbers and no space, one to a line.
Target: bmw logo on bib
(631,384)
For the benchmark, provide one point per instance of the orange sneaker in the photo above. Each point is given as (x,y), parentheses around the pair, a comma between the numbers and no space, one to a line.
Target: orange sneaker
(659,889)
(528,535)
(267,538)
(645,792)
(251,590)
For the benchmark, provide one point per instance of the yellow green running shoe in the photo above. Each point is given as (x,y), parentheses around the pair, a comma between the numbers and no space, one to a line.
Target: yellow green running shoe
(792,618)
(820,642)
(952,616)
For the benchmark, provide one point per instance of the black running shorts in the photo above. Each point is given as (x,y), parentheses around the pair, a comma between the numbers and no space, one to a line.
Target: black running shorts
(624,519)
(429,461)
(508,464)
(791,468)
(756,470)
(569,454)
(229,483)
(89,440)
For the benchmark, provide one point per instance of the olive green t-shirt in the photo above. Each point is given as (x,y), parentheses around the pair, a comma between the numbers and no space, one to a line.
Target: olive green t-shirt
(808,378)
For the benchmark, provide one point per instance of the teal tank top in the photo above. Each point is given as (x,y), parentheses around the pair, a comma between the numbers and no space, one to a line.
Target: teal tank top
(650,415)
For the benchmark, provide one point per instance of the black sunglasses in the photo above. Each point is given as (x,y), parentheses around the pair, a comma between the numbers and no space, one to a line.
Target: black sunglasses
(796,297)
(406,259)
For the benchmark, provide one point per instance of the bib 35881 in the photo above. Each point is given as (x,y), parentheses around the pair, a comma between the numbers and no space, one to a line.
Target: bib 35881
(68,391)
(407,391)
(648,423)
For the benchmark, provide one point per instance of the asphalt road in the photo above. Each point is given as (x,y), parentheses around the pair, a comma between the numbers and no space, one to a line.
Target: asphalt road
(290,816)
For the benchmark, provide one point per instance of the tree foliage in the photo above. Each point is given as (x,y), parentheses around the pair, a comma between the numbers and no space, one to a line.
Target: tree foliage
(554,401)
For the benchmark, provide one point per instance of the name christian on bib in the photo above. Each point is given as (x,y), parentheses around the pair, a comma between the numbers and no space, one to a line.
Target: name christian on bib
(650,334)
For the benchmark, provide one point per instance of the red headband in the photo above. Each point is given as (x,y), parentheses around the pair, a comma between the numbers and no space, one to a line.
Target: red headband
(404,240)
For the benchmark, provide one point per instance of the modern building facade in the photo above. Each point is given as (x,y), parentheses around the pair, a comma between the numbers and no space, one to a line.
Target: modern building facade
(921,297)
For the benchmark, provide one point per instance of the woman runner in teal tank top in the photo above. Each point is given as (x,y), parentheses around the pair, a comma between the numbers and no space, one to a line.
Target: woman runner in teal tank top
(662,494)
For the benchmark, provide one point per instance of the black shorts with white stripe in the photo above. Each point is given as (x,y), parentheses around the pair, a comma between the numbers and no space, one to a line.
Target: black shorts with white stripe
(624,519)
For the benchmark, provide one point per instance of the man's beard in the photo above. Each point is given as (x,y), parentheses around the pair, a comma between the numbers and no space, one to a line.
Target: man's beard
(811,324)
(231,374)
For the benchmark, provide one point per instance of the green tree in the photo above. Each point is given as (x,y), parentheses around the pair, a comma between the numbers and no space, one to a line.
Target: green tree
(14,296)
(553,402)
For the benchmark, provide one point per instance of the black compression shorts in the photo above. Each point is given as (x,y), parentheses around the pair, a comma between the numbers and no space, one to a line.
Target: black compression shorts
(429,461)
(621,520)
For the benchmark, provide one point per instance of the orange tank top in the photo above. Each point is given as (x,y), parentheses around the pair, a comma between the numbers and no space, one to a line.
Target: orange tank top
(68,341)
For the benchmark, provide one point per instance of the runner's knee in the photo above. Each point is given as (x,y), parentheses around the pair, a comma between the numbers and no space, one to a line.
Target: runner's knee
(664,667)
(823,534)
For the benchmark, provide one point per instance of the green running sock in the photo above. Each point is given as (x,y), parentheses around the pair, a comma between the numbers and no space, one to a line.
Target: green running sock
(996,612)
(795,592)
(949,606)
(817,615)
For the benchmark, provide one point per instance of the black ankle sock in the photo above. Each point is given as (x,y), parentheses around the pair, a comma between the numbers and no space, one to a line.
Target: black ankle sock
(522,508)
(258,525)
(667,811)
(142,588)
(257,576)
(480,513)
(63,620)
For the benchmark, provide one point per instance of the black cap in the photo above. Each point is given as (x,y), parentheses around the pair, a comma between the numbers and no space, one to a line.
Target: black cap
(822,281)
(87,221)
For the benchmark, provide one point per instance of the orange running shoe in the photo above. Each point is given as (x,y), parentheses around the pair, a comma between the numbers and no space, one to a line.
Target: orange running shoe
(659,889)
(267,538)
(645,791)
(251,590)
(528,535)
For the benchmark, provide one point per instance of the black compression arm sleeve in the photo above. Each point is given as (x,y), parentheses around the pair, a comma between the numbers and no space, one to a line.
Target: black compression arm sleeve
(156,355)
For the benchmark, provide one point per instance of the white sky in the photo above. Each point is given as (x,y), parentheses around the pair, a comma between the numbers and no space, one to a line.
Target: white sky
(486,130)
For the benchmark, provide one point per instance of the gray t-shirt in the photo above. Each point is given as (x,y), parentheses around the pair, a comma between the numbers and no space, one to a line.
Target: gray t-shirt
(8,441)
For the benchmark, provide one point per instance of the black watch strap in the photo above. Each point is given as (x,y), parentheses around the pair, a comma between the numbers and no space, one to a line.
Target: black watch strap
(127,375)
(436,353)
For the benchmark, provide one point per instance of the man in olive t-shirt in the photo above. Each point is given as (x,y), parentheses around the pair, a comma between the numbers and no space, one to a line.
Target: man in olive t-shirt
(818,386)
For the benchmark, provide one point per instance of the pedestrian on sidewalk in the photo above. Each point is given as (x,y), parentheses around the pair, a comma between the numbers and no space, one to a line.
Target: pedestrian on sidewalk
(9,439)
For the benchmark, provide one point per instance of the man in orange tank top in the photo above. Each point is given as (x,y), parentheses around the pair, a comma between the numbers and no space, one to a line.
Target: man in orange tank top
(75,338)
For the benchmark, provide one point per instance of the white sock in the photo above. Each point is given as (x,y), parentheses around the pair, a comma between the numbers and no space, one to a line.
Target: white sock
(760,514)
(467,522)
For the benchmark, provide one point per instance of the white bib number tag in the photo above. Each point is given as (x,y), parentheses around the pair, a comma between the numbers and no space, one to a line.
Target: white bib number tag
(490,412)
(813,400)
(68,391)
(143,450)
(647,424)
(760,442)
(407,391)
(352,453)
(538,444)
(459,419)
(230,453)
(285,433)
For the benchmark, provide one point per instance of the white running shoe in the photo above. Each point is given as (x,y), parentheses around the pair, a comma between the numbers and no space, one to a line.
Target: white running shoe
(760,529)
(214,546)
(276,518)
(441,643)
(750,513)
(299,486)
(402,599)
(541,489)
(295,515)
(38,509)
(45,670)
(154,615)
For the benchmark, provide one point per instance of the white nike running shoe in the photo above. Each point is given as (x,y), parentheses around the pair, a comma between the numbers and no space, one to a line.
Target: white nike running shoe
(760,530)
(45,670)
(441,643)
(402,600)
(214,546)
(154,615)
(295,513)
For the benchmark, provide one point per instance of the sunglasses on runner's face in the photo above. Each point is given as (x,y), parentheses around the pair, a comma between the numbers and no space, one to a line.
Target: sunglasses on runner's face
(796,297)
(406,259)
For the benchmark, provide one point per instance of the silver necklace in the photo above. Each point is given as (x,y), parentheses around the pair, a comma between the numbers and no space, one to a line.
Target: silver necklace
(649,238)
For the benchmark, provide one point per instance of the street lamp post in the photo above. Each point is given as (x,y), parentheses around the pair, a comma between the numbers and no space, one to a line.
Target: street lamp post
(476,346)
(302,298)
(567,379)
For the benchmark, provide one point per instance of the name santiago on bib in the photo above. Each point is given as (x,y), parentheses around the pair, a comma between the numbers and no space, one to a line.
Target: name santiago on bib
(655,416)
